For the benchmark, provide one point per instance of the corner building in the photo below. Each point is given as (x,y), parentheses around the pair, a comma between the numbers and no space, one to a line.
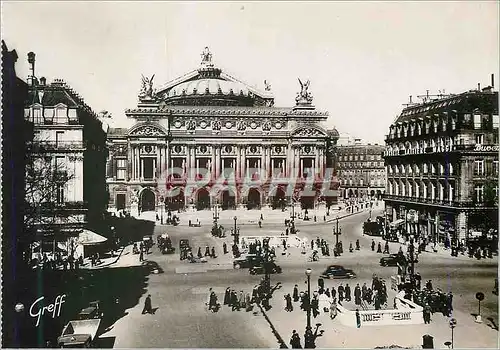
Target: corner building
(207,124)
(442,167)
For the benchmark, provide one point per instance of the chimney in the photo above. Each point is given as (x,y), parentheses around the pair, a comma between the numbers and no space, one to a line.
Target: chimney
(492,80)
(410,98)
(31,61)
(478,87)
(43,81)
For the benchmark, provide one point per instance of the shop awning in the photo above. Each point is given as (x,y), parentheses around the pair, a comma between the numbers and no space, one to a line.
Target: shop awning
(88,237)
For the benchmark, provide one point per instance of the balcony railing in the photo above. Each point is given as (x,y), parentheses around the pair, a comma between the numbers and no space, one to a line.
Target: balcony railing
(438,202)
(63,205)
(40,146)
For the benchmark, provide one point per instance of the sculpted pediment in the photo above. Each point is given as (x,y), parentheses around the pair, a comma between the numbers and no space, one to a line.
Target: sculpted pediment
(147,130)
(308,132)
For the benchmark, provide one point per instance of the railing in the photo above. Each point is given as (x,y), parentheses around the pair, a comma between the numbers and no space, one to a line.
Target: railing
(62,206)
(440,202)
(41,146)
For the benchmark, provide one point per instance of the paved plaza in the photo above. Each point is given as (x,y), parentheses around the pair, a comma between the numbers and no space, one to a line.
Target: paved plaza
(180,293)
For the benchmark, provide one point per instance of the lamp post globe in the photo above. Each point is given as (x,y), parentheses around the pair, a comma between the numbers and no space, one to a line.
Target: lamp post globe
(19,307)
(308,272)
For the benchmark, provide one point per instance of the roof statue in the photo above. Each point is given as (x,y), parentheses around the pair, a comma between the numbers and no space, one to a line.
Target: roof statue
(206,58)
(267,86)
(304,97)
(147,92)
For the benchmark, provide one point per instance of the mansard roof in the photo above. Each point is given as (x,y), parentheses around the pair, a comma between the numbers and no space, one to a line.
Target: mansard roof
(486,101)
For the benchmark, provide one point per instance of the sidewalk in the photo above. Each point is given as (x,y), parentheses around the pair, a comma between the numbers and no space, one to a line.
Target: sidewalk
(467,334)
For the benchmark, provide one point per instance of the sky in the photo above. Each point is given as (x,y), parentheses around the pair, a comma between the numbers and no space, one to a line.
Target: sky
(364,59)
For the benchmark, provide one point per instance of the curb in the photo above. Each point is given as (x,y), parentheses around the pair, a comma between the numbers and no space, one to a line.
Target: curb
(346,216)
(281,342)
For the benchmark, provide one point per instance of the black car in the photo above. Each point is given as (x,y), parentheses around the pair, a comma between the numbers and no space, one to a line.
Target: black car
(260,270)
(391,260)
(247,261)
(337,271)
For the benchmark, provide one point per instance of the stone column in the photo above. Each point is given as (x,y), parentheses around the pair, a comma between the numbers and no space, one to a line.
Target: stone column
(316,161)
(213,164)
(193,158)
(129,161)
(262,164)
(243,160)
(157,165)
(141,161)
(238,162)
(322,161)
(269,168)
(217,161)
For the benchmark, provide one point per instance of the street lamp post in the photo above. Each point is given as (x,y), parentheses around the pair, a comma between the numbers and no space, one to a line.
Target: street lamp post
(453,324)
(337,231)
(162,205)
(412,260)
(308,274)
(236,234)
(216,215)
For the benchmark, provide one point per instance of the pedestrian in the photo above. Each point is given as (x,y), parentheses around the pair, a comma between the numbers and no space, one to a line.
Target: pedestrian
(224,247)
(373,245)
(357,295)
(148,309)
(296,293)
(327,292)
(379,248)
(341,292)
(333,292)
(386,248)
(358,319)
(199,253)
(347,291)
(234,301)
(428,285)
(315,305)
(333,308)
(427,314)
(241,300)
(312,244)
(227,296)
(321,283)
(295,340)
(364,290)
(212,303)
(288,300)
(207,251)
(141,255)
(213,253)
(357,244)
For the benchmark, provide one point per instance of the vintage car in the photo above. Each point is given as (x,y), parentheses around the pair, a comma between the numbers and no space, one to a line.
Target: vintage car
(79,334)
(260,269)
(337,271)
(247,261)
(90,312)
(391,260)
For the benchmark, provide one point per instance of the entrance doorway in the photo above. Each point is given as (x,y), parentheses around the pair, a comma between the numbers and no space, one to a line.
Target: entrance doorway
(279,199)
(228,200)
(147,200)
(203,199)
(253,199)
(120,201)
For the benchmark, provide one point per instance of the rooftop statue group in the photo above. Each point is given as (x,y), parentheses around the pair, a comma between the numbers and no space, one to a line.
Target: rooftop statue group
(304,96)
(147,92)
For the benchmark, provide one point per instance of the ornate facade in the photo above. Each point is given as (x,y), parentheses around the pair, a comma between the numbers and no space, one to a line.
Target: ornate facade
(208,130)
(442,166)
(361,170)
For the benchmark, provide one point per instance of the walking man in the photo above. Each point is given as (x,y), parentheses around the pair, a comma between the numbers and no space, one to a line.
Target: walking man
(148,309)
(295,340)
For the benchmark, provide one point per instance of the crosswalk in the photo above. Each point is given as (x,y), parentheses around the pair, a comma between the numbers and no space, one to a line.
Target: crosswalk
(200,268)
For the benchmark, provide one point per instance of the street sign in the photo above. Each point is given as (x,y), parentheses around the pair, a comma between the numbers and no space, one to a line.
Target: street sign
(479,296)
(453,322)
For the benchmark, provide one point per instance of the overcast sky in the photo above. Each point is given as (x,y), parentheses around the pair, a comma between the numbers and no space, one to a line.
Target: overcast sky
(363,58)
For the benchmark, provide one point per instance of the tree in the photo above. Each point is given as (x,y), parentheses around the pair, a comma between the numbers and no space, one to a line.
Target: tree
(45,210)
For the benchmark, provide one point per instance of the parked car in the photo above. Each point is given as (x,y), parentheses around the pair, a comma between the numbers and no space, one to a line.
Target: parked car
(260,269)
(148,241)
(91,312)
(337,271)
(391,260)
(247,261)
(79,333)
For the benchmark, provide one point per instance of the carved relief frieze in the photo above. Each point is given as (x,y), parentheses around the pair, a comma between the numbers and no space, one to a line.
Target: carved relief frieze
(148,149)
(308,132)
(148,131)
(266,126)
(75,158)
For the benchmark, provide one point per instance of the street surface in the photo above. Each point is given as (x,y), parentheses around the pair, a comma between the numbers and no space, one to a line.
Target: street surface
(180,293)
